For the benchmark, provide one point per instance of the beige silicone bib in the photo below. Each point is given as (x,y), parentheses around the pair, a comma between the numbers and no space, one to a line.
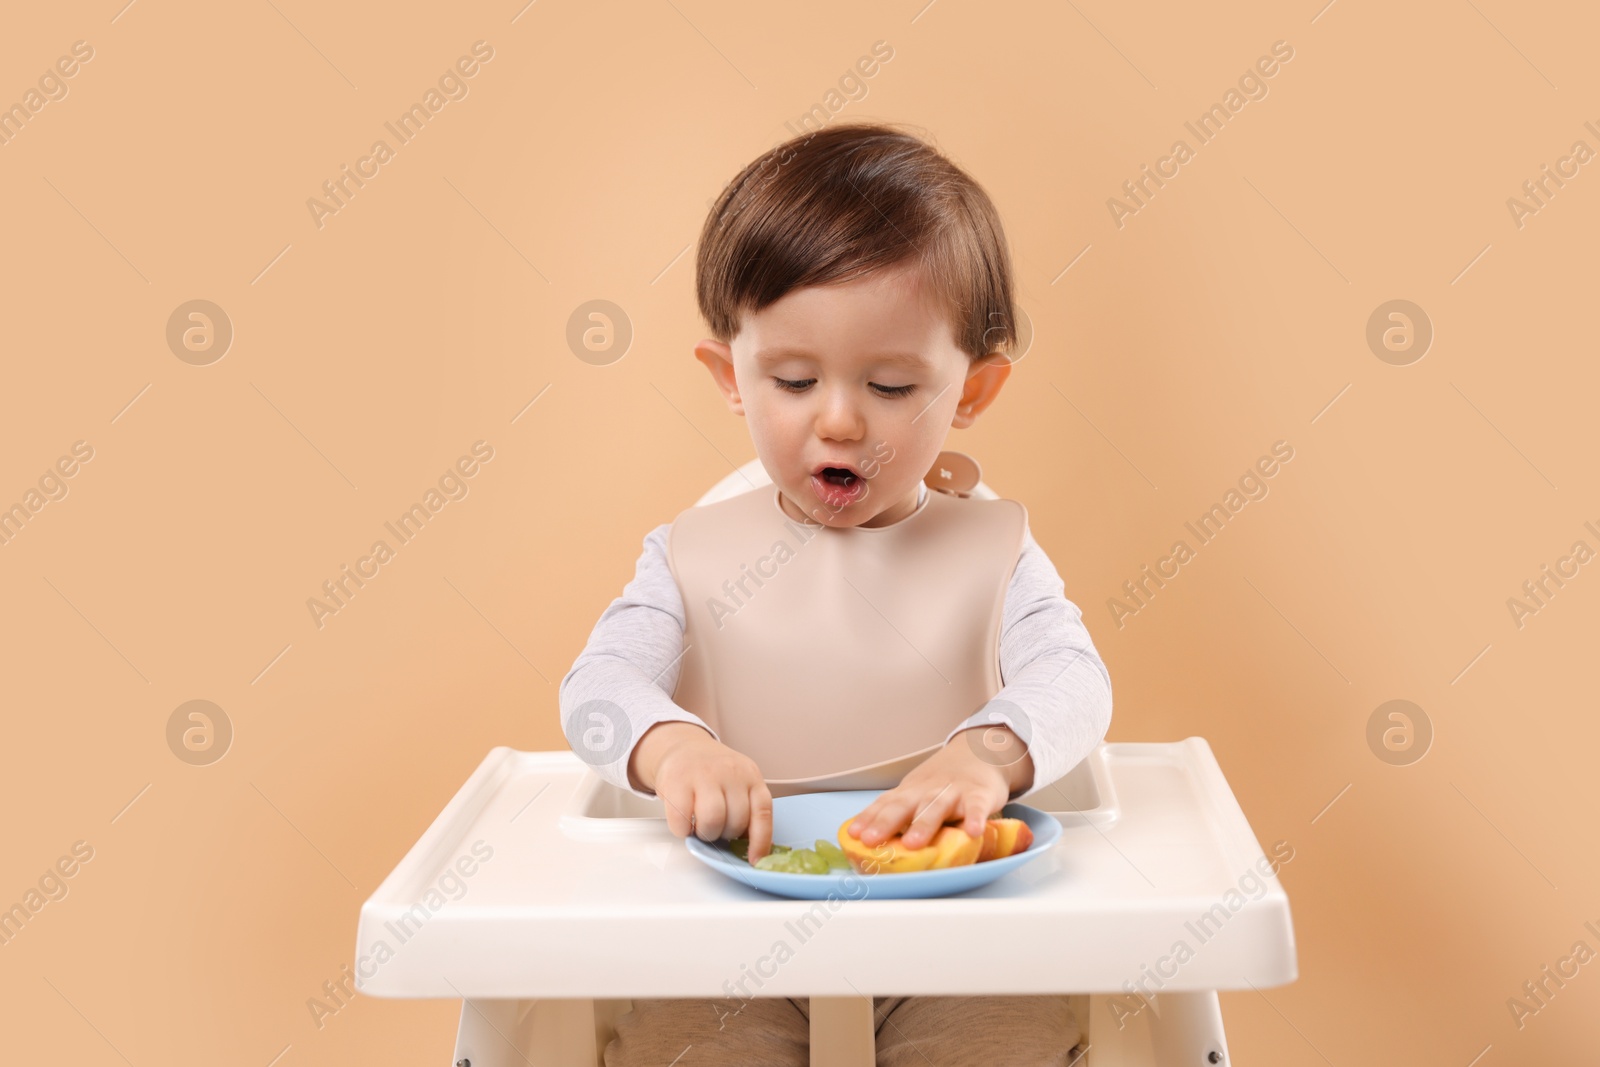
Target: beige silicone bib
(840,658)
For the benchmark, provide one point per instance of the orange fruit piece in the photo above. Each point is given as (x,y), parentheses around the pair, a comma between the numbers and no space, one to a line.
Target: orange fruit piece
(951,846)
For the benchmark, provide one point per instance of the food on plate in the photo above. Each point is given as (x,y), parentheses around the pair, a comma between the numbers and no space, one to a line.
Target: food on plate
(950,846)
(1004,837)
(823,857)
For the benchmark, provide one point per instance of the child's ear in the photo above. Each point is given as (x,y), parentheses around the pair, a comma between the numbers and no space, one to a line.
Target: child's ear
(718,359)
(985,376)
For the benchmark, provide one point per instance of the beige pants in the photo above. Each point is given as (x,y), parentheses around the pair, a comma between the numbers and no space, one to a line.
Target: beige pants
(991,1031)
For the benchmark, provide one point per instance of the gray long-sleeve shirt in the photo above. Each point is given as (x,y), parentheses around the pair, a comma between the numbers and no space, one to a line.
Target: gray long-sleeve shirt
(1055,694)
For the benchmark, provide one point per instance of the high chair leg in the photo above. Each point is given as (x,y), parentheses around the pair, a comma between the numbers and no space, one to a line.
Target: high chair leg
(1165,1030)
(514,1033)
(842,1032)
(1187,1029)
(606,1014)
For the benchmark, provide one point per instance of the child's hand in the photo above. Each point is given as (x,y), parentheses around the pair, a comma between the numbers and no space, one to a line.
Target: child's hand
(719,787)
(954,782)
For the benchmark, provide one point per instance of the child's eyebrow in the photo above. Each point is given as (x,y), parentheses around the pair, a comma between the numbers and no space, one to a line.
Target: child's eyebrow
(914,360)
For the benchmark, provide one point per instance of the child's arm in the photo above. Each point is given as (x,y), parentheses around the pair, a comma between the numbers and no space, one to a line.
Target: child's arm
(621,683)
(1053,708)
(618,715)
(1056,691)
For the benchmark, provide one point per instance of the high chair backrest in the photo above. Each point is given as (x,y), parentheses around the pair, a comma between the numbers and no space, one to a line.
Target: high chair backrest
(753,475)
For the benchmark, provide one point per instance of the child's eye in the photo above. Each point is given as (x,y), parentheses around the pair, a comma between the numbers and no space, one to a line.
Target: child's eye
(800,386)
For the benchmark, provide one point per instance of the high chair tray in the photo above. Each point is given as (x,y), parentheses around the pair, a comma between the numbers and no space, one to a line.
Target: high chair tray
(510,895)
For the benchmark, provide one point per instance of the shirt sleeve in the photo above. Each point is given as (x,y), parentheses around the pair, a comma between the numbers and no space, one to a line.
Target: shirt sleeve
(621,683)
(1056,691)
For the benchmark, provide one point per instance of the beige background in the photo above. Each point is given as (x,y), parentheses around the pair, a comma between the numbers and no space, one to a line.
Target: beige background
(1228,313)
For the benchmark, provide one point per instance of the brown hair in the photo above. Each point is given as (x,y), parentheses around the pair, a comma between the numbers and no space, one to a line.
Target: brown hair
(843,202)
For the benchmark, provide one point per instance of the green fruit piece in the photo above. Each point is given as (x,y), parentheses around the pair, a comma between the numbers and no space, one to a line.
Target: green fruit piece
(782,848)
(832,853)
(773,861)
(811,862)
(740,846)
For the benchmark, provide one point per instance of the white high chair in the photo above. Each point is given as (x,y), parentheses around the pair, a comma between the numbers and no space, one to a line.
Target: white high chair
(546,898)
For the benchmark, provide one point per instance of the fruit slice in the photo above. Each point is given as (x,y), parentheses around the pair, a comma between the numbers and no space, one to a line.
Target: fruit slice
(1004,837)
(955,848)
(951,846)
(830,852)
(805,861)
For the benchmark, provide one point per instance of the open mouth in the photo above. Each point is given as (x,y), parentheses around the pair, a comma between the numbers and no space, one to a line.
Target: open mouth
(839,475)
(838,486)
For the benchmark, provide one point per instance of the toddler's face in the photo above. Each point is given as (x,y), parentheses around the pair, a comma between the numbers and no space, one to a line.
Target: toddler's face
(850,391)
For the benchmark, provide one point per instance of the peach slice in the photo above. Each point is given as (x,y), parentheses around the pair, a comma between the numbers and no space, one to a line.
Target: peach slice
(951,846)
(1004,837)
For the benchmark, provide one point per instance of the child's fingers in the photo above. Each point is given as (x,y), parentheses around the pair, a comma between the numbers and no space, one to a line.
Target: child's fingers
(930,815)
(710,813)
(867,816)
(678,800)
(736,804)
(760,828)
(976,807)
(895,810)
(865,819)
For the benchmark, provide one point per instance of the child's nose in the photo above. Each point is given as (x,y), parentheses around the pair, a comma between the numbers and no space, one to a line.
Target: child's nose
(840,419)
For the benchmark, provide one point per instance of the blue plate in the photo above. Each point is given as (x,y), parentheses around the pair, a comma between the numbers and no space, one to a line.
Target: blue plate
(799,820)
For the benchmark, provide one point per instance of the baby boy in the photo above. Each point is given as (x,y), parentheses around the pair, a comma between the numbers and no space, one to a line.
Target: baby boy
(861,623)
